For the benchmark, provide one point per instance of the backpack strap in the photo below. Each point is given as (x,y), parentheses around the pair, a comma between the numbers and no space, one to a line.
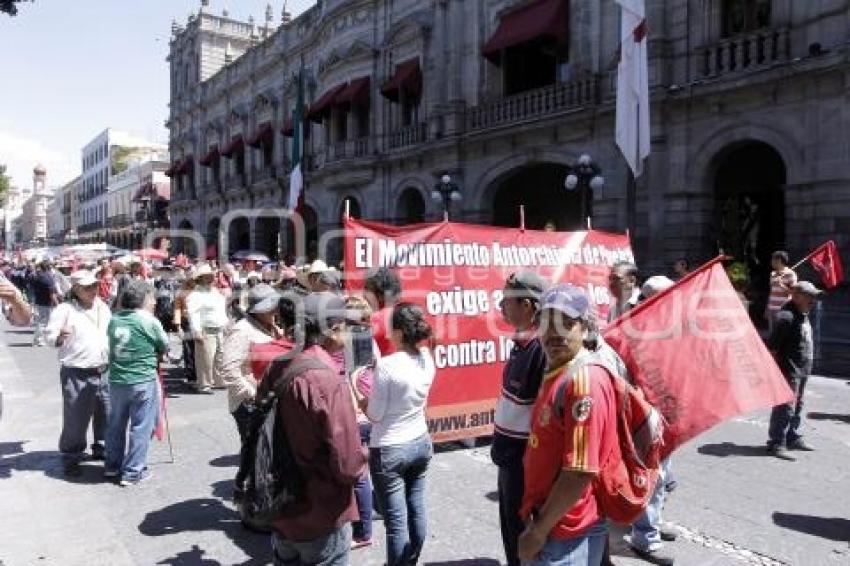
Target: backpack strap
(566,381)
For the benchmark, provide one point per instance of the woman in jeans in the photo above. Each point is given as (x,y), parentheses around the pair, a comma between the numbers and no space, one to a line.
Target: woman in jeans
(400,447)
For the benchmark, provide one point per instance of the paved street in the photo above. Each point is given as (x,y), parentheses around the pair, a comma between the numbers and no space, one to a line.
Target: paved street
(733,504)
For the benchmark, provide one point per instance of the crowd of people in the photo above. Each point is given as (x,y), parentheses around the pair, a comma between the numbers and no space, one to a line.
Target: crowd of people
(348,375)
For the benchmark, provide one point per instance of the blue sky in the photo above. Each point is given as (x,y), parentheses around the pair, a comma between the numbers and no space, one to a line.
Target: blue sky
(71,68)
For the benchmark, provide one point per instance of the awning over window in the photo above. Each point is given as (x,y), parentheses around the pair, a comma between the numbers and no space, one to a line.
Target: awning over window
(407,78)
(356,93)
(186,165)
(323,105)
(541,19)
(172,170)
(210,158)
(157,191)
(263,135)
(235,144)
(288,128)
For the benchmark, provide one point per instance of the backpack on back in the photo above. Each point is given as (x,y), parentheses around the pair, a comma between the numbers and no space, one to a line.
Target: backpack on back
(628,477)
(276,483)
(164,307)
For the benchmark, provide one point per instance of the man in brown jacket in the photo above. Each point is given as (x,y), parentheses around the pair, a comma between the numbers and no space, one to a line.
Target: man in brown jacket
(316,412)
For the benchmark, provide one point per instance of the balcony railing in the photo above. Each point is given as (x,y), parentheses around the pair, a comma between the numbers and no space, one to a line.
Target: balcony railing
(534,104)
(409,136)
(745,52)
(263,173)
(118,220)
(346,149)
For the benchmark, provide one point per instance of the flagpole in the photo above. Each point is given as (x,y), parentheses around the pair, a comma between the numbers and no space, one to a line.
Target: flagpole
(522,218)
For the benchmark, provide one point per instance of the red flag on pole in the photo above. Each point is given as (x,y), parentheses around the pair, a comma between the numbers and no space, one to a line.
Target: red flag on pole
(827,263)
(696,356)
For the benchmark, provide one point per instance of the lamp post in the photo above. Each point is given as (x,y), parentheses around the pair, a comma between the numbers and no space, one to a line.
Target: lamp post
(586,177)
(446,191)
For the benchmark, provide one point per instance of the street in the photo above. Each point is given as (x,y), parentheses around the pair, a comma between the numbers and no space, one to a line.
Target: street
(733,504)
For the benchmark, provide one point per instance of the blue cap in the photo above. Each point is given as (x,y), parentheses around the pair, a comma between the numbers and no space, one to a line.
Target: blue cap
(568,299)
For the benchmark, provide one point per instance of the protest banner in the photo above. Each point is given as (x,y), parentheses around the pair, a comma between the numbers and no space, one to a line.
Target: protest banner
(456,273)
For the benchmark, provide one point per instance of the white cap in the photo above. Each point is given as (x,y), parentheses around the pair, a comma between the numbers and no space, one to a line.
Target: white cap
(203,269)
(83,278)
(655,285)
(318,266)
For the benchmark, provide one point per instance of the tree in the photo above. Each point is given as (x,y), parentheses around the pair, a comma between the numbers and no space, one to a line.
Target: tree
(4,185)
(9,7)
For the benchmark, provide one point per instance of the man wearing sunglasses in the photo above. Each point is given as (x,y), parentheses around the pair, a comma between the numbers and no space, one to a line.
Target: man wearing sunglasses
(78,328)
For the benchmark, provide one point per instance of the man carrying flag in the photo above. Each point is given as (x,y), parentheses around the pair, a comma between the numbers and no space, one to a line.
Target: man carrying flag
(296,178)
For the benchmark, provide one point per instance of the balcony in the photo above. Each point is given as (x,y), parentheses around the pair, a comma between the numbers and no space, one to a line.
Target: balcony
(262,173)
(534,104)
(747,52)
(409,136)
(118,221)
(347,149)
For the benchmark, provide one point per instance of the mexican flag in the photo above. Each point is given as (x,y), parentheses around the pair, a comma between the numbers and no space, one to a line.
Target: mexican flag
(296,178)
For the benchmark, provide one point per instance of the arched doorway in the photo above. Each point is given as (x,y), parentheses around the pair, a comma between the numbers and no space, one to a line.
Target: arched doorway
(238,235)
(749,183)
(267,235)
(540,188)
(411,207)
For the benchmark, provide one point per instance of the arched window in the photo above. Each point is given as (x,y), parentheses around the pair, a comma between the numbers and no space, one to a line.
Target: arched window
(742,16)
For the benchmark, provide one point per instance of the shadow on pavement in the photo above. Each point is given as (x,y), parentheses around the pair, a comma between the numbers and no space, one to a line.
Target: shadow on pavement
(20,345)
(193,557)
(466,562)
(834,528)
(726,449)
(815,416)
(230,461)
(14,459)
(19,331)
(206,514)
(492,496)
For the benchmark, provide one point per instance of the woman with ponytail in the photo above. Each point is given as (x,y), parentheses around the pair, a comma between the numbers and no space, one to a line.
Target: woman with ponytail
(400,446)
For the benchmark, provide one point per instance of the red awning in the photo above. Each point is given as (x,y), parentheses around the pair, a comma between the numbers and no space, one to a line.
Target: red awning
(356,93)
(263,135)
(233,145)
(210,158)
(159,191)
(541,19)
(186,165)
(172,170)
(288,128)
(320,108)
(407,78)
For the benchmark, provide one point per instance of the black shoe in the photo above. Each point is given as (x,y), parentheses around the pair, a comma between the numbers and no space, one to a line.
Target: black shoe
(780,452)
(72,470)
(656,557)
(801,445)
(668,535)
(98,453)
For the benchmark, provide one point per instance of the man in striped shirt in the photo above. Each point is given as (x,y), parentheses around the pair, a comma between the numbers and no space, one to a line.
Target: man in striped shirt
(520,381)
(782,278)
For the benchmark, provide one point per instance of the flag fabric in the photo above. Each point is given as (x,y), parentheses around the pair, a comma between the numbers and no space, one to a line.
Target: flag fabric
(632,130)
(696,356)
(159,430)
(296,178)
(827,263)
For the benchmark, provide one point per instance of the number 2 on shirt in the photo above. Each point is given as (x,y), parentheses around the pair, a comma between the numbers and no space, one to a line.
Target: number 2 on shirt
(122,337)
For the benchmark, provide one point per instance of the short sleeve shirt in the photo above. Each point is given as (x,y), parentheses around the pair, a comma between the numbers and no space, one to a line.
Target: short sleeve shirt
(577,434)
(136,339)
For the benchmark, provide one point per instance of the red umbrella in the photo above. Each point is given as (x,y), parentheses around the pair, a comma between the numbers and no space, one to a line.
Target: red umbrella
(151,253)
(181,260)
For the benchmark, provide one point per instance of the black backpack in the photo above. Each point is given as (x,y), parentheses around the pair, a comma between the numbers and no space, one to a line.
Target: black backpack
(276,484)
(166,292)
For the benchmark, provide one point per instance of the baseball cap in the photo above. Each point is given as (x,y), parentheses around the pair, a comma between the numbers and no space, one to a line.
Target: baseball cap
(83,278)
(568,299)
(262,298)
(318,266)
(807,288)
(326,308)
(526,284)
(655,285)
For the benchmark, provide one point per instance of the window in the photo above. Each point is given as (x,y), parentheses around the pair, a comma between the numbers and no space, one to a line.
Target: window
(341,123)
(531,65)
(742,16)
(409,111)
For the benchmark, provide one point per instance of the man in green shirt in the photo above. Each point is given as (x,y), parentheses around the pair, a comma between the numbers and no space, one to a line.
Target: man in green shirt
(137,342)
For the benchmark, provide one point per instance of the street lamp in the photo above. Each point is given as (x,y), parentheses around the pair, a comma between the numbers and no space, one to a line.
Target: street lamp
(585,176)
(446,191)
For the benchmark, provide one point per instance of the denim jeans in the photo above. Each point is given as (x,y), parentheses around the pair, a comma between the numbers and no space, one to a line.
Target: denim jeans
(139,405)
(586,550)
(786,421)
(646,530)
(399,473)
(362,529)
(331,550)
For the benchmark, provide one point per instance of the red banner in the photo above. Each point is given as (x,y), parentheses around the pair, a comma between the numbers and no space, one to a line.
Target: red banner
(696,356)
(827,263)
(456,273)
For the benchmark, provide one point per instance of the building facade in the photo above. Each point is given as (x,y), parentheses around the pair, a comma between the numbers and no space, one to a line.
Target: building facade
(749,123)
(34,230)
(111,152)
(137,201)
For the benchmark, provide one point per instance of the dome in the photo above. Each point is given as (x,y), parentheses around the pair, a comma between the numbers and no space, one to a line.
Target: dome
(40,169)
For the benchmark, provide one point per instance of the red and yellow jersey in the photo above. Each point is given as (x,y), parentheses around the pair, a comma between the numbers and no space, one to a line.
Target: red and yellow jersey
(575,434)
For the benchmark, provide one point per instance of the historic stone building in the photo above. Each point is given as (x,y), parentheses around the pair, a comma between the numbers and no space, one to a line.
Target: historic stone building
(750,121)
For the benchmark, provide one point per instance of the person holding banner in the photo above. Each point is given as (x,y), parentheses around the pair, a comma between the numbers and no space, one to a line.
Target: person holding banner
(792,346)
(382,289)
(564,523)
(521,379)
(782,278)
(137,343)
(624,287)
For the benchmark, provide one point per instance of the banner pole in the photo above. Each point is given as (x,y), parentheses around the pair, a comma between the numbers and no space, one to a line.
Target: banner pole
(589,224)
(522,218)
(445,216)
(347,212)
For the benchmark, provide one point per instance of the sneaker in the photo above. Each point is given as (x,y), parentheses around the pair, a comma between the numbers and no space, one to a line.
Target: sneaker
(72,470)
(668,535)
(360,543)
(98,454)
(654,557)
(780,452)
(127,482)
(801,445)
(111,474)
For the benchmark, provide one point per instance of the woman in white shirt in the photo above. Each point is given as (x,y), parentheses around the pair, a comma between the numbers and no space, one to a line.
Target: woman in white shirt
(400,446)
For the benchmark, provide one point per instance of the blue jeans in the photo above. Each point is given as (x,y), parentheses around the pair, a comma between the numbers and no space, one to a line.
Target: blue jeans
(786,421)
(646,530)
(139,405)
(585,550)
(399,473)
(330,550)
(362,529)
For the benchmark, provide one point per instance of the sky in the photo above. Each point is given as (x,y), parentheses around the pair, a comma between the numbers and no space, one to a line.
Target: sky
(72,68)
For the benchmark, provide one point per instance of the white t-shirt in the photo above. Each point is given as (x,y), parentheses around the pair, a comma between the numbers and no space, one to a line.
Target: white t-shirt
(399,392)
(87,346)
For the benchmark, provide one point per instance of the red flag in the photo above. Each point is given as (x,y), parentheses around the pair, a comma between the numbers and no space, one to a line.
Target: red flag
(827,263)
(159,431)
(697,357)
